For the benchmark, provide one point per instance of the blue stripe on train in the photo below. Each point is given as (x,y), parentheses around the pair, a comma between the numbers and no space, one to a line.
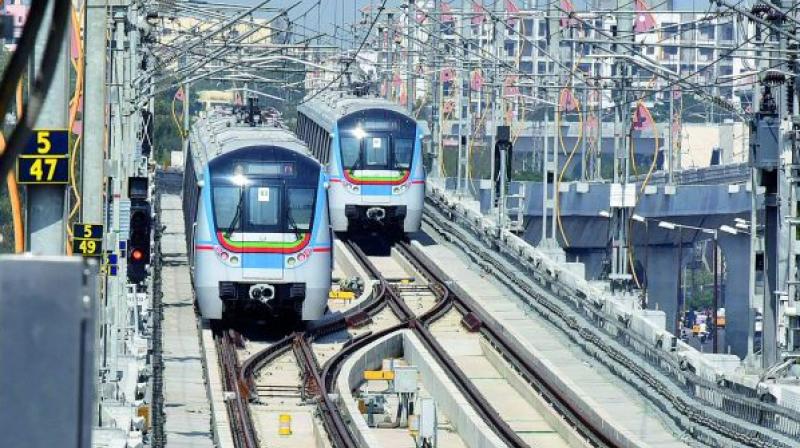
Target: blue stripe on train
(376,190)
(262,261)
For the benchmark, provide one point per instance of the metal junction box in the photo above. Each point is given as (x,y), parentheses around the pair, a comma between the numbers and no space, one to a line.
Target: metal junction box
(405,379)
(47,365)
(766,151)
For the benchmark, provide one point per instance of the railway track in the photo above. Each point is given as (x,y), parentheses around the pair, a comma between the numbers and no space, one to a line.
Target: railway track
(318,381)
(475,319)
(227,341)
(239,378)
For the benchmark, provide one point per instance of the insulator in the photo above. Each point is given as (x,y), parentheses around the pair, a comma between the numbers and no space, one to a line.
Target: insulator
(760,9)
(773,78)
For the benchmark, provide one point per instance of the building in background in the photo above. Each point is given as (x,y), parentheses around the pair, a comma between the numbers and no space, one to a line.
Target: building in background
(17,10)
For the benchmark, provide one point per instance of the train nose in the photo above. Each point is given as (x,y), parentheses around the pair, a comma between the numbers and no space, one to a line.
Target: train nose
(262,292)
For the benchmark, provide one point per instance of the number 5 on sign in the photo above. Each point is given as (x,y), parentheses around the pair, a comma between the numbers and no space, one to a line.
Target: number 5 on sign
(43,142)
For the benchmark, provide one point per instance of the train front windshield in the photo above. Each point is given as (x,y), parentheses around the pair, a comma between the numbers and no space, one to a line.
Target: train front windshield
(259,208)
(264,197)
(377,139)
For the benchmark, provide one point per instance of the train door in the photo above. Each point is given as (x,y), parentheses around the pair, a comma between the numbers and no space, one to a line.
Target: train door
(376,164)
(262,236)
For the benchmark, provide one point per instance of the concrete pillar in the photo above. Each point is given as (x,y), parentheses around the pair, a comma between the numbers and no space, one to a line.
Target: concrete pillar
(735,253)
(662,274)
(45,204)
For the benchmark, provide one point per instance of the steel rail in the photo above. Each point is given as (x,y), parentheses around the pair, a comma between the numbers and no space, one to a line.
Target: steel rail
(332,419)
(521,362)
(243,430)
(419,326)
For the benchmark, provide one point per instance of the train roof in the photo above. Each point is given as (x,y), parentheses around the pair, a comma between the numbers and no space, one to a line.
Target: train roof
(327,108)
(216,134)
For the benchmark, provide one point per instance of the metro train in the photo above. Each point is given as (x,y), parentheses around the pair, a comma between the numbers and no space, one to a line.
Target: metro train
(373,152)
(257,222)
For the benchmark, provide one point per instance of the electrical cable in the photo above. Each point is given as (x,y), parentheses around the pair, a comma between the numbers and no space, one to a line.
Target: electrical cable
(655,150)
(352,59)
(41,84)
(12,83)
(13,190)
(74,106)
(178,125)
(557,186)
(25,46)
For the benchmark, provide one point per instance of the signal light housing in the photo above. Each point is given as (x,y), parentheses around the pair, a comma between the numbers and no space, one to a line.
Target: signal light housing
(139,243)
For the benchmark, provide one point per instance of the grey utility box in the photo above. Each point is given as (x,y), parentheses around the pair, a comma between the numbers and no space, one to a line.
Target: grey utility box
(766,151)
(47,369)
(405,379)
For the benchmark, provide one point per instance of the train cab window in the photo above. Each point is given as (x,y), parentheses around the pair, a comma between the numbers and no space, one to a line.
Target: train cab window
(226,207)
(351,151)
(403,152)
(263,208)
(376,152)
(300,208)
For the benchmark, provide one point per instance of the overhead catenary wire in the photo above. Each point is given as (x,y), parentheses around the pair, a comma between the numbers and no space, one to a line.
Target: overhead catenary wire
(352,59)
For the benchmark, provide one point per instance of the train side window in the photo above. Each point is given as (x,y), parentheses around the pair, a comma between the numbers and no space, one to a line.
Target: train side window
(226,200)
(351,152)
(315,138)
(326,150)
(403,153)
(301,208)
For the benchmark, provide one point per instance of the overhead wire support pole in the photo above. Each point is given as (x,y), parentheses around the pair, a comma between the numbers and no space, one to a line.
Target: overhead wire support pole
(438,156)
(409,61)
(550,192)
(46,204)
(93,150)
(620,277)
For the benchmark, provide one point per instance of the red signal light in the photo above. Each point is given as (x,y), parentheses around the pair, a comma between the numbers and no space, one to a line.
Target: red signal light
(137,255)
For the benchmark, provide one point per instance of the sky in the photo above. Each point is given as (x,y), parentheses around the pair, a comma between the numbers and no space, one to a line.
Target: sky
(344,11)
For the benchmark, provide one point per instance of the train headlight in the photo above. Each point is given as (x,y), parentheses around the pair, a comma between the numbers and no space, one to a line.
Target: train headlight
(227,258)
(298,259)
(399,189)
(352,188)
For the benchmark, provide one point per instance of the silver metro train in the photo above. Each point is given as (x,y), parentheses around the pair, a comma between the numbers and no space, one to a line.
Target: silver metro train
(373,153)
(257,223)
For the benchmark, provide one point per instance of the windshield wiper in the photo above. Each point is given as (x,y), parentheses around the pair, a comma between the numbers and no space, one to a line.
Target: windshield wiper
(293,225)
(235,219)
